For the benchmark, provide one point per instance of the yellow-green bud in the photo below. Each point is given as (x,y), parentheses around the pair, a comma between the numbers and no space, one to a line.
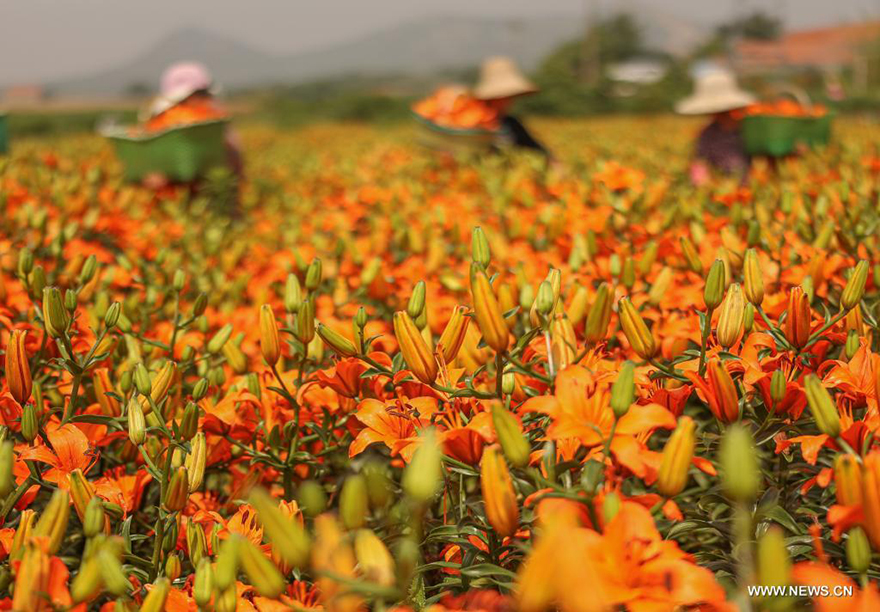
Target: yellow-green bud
(855,286)
(313,274)
(514,444)
(30,426)
(773,561)
(417,300)
(137,425)
(822,406)
(292,294)
(623,391)
(858,550)
(713,293)
(852,344)
(7,461)
(336,341)
(203,584)
(545,300)
(480,247)
(423,477)
(353,502)
(200,305)
(739,464)
(215,345)
(142,381)
(777,386)
(55,316)
(178,280)
(312,498)
(93,520)
(226,569)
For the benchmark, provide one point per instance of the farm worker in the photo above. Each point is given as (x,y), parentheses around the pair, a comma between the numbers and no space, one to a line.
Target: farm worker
(187,95)
(720,144)
(500,84)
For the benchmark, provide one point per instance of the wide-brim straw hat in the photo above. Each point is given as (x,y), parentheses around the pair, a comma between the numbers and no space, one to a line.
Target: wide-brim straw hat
(500,78)
(715,92)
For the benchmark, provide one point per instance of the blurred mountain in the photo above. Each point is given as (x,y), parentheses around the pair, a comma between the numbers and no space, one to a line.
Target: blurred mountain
(421,47)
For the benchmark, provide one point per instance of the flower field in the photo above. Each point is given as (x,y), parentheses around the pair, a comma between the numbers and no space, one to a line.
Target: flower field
(400,381)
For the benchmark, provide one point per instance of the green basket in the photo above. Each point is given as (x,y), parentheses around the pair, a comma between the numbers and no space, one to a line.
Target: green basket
(453,140)
(4,135)
(771,135)
(181,154)
(777,136)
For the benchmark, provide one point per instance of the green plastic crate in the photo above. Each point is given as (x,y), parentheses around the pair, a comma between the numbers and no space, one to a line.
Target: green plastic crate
(181,154)
(771,135)
(453,140)
(777,136)
(4,135)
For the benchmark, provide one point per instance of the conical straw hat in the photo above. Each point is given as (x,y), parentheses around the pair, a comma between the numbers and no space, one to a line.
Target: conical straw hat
(715,92)
(500,78)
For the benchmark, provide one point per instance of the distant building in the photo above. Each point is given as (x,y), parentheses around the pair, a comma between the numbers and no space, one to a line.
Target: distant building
(23,94)
(826,49)
(629,76)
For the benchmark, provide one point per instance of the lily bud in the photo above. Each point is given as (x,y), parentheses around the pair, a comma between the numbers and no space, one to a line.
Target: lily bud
(215,344)
(313,274)
(848,480)
(226,569)
(510,436)
(195,461)
(748,318)
(81,492)
(777,386)
(260,571)
(480,248)
(111,317)
(160,386)
(142,379)
(855,286)
(178,281)
(155,599)
(753,279)
(18,372)
(499,496)
(235,357)
(7,462)
(177,493)
(545,300)
(189,423)
(797,321)
(773,561)
(858,550)
(661,285)
(55,317)
(373,558)
(200,389)
(53,522)
(871,497)
(95,518)
(628,274)
(822,406)
(30,424)
(270,344)
(200,305)
(623,391)
(691,257)
(852,345)
(196,542)
(203,583)
(336,341)
(103,387)
(453,334)
(305,322)
(416,303)
(353,502)
(487,311)
(737,457)
(716,282)
(312,498)
(289,540)
(676,460)
(730,319)
(596,326)
(292,294)
(88,581)
(423,477)
(137,426)
(637,333)
(418,357)
(725,403)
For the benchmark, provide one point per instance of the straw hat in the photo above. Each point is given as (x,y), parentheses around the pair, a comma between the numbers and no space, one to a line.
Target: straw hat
(500,78)
(183,79)
(715,92)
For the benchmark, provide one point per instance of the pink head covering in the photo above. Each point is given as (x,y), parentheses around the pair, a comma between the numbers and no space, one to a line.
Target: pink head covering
(183,79)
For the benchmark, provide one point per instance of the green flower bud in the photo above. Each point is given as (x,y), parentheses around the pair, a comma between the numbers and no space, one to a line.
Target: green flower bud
(215,345)
(38,282)
(305,322)
(480,247)
(353,502)
(610,506)
(93,520)
(360,319)
(7,461)
(111,317)
(777,386)
(30,426)
(200,390)
(628,275)
(858,550)
(416,303)
(313,274)
(312,498)
(713,293)
(142,380)
(292,293)
(822,406)
(200,304)
(741,476)
(623,391)
(137,426)
(203,584)
(70,300)
(87,272)
(855,286)
(25,262)
(852,344)
(423,477)
(178,280)
(513,443)
(545,300)
(189,424)
(55,317)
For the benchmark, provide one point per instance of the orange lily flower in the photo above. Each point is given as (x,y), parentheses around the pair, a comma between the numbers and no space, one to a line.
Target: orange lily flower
(71,452)
(394,423)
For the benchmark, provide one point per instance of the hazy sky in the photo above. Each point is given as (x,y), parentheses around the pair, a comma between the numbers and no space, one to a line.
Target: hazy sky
(48,39)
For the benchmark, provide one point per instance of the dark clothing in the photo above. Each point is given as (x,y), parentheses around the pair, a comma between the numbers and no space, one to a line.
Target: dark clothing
(723,149)
(515,133)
